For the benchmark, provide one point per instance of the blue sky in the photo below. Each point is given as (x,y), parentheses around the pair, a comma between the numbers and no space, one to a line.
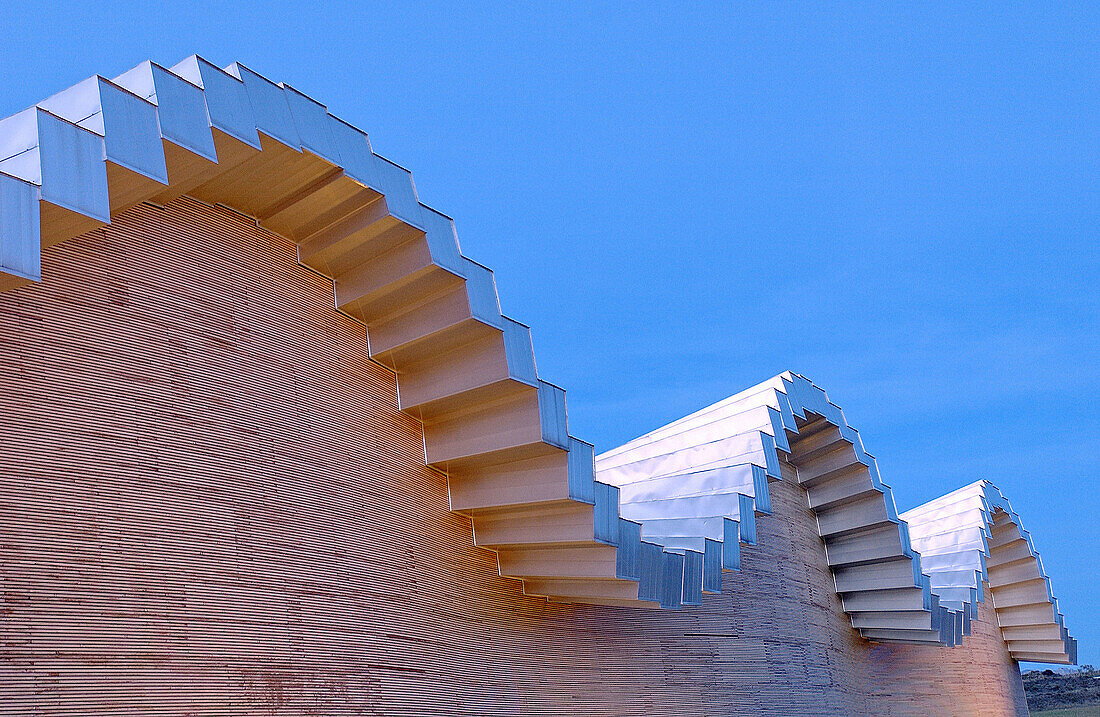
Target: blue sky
(900,204)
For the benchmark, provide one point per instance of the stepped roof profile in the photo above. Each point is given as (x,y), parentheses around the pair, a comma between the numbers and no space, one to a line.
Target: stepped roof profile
(653,523)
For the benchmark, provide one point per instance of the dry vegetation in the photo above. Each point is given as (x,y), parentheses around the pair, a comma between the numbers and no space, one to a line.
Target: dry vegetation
(1063,694)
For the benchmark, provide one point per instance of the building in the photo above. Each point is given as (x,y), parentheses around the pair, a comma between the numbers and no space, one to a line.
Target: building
(223,496)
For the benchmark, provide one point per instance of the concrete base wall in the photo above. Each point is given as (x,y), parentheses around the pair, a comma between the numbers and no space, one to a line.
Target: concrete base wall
(210,505)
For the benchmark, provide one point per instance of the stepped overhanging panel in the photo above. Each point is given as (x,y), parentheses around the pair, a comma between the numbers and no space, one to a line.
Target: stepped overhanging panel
(465,371)
(231,136)
(699,480)
(973,536)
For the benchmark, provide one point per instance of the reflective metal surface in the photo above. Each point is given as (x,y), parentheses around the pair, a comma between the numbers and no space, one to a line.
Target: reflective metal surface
(972,537)
(664,515)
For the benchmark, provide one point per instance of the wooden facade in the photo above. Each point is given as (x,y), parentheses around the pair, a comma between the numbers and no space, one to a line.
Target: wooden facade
(228,136)
(211,504)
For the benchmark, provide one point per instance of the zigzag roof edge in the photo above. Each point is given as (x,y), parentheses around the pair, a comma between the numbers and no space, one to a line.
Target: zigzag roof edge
(230,136)
(670,478)
(973,536)
(82,157)
(694,473)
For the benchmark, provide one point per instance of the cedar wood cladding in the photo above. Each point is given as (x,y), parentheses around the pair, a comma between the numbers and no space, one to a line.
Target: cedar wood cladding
(213,506)
(88,153)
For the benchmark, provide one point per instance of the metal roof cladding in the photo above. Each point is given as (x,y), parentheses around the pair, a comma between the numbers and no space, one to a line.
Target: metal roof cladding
(663,515)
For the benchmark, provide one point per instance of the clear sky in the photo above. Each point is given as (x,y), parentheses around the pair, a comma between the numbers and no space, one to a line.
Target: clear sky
(900,204)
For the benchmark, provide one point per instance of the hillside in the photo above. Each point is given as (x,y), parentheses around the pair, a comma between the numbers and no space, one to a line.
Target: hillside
(1063,694)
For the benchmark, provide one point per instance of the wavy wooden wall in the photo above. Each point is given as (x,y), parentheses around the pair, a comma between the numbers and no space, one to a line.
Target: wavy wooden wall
(210,504)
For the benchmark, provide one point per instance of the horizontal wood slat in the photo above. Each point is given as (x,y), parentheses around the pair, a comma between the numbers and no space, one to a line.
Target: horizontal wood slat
(210,504)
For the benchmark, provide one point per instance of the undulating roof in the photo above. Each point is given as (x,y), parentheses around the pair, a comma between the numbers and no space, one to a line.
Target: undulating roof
(972,536)
(690,491)
(699,479)
(697,482)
